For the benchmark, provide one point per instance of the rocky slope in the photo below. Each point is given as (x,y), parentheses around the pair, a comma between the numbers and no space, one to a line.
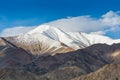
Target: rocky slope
(60,66)
(16,74)
(108,72)
(86,61)
(12,56)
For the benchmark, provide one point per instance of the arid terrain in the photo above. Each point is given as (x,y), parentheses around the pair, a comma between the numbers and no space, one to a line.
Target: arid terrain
(96,62)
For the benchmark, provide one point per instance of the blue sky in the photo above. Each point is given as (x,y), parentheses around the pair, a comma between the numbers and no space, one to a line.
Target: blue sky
(35,12)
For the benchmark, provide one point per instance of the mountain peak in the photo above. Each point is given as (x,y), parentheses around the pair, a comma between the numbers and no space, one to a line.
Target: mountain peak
(42,28)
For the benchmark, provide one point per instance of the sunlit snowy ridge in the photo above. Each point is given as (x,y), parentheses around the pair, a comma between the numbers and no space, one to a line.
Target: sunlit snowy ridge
(50,39)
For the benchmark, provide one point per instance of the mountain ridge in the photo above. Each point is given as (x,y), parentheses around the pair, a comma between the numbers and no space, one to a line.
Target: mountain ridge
(47,39)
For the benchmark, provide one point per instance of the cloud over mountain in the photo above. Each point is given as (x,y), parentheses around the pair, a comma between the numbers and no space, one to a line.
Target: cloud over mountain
(109,22)
(15,31)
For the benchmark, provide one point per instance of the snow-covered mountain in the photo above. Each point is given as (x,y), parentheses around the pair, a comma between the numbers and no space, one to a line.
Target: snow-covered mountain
(49,39)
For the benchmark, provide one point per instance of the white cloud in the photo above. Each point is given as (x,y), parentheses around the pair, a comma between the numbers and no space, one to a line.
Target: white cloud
(15,31)
(109,22)
(88,24)
(80,23)
(98,32)
(111,19)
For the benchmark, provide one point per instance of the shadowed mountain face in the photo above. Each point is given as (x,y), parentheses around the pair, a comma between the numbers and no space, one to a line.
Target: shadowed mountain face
(13,56)
(16,74)
(108,72)
(17,61)
(87,60)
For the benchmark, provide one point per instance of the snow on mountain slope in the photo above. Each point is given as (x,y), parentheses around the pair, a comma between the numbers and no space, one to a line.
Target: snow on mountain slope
(48,39)
(59,35)
(94,38)
(39,44)
(75,38)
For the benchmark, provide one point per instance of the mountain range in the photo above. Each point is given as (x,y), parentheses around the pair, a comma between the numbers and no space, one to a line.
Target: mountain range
(49,53)
(46,39)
